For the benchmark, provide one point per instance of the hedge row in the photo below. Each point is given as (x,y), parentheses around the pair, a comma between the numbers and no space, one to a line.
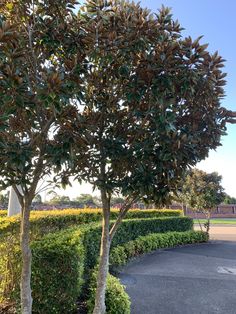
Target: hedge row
(130,230)
(121,254)
(53,220)
(117,300)
(43,223)
(61,259)
(133,213)
(3,213)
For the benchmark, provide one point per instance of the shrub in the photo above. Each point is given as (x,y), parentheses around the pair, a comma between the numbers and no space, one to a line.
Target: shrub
(61,258)
(44,222)
(144,244)
(53,220)
(57,272)
(117,300)
(131,229)
(3,213)
(153,213)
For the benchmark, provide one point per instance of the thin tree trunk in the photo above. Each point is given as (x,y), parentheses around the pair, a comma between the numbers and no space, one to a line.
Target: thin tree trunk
(199,223)
(26,298)
(196,217)
(208,217)
(100,307)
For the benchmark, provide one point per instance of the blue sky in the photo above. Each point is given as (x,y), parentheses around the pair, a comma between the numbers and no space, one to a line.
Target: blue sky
(216,20)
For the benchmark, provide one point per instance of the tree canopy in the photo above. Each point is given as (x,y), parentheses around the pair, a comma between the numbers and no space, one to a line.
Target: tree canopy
(151,102)
(40,55)
(113,95)
(229,199)
(150,109)
(202,191)
(38,70)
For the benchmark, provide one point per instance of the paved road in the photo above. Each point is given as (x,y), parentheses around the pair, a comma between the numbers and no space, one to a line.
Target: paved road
(199,279)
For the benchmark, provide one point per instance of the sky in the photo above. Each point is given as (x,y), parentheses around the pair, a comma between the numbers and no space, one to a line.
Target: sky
(216,20)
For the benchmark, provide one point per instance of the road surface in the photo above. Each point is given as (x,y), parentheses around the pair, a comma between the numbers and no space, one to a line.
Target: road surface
(196,279)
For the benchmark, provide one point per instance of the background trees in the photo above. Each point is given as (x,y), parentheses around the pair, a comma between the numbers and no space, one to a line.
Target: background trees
(202,192)
(229,199)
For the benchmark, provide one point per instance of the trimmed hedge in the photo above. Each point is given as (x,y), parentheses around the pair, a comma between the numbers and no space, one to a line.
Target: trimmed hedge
(121,254)
(57,272)
(60,259)
(117,300)
(43,222)
(130,230)
(3,213)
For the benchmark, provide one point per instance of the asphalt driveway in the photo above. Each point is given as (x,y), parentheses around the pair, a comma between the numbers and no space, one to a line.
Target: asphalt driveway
(199,279)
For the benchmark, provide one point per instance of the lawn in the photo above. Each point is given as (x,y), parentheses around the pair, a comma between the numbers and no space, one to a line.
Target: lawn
(229,221)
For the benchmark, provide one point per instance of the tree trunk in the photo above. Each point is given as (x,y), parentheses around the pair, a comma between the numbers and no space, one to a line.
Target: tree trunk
(196,217)
(100,307)
(207,225)
(26,298)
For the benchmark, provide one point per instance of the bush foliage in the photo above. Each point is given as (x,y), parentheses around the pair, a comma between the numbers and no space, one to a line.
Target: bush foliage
(145,244)
(74,251)
(46,221)
(3,213)
(65,248)
(42,223)
(117,300)
(65,253)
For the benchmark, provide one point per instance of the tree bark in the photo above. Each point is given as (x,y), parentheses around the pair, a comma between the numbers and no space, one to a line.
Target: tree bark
(100,307)
(207,224)
(124,209)
(196,217)
(26,297)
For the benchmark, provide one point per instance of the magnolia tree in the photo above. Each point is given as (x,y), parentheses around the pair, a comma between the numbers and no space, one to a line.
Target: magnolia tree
(202,192)
(113,95)
(40,65)
(150,109)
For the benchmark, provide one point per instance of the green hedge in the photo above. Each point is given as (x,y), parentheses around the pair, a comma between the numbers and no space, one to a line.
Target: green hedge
(63,257)
(130,230)
(43,222)
(151,242)
(57,272)
(117,300)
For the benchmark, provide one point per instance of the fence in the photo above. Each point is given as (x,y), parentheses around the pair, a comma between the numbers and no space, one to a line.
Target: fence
(221,211)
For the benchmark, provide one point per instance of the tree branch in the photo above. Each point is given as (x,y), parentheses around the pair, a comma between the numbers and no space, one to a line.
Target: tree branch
(124,209)
(229,115)
(44,130)
(232,121)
